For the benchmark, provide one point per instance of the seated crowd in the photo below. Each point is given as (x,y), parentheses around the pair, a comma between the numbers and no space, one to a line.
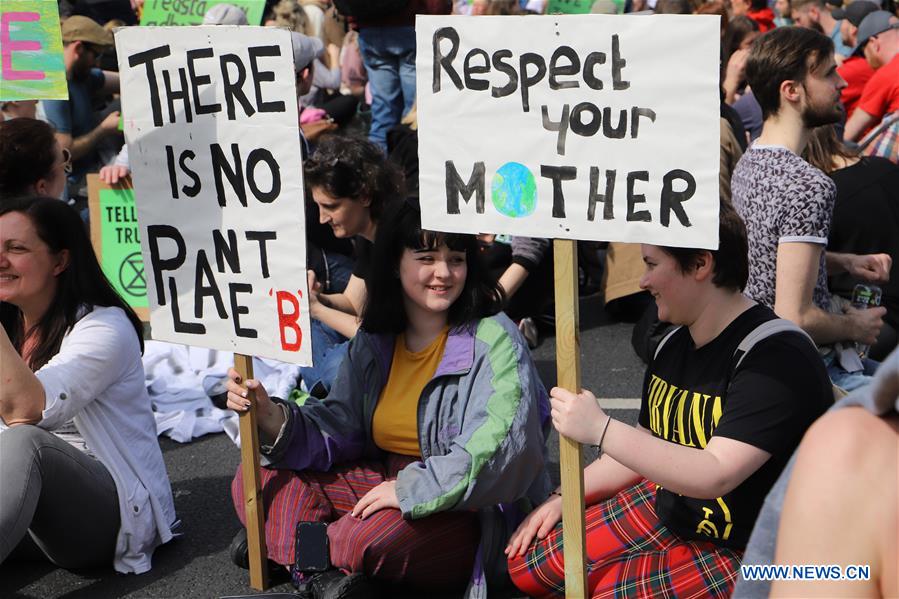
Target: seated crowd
(414,452)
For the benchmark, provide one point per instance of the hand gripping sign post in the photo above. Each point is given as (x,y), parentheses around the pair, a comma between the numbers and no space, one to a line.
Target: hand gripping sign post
(575,127)
(212,131)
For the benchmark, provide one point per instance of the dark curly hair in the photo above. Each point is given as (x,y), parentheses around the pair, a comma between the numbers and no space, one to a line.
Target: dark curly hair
(400,229)
(27,155)
(355,168)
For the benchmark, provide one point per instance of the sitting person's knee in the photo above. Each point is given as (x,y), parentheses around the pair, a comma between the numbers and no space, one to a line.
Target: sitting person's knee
(22,440)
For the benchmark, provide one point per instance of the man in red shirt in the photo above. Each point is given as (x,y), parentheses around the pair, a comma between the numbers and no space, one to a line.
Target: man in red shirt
(855,69)
(878,37)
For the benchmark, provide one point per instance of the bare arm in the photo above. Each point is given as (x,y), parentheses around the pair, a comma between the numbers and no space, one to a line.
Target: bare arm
(734,73)
(868,267)
(606,476)
(846,460)
(602,479)
(340,311)
(631,453)
(797,273)
(22,397)
(513,278)
(857,123)
(701,473)
(110,82)
(83,145)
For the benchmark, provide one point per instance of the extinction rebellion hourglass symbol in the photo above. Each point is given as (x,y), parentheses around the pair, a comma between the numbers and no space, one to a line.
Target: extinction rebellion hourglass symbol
(131,275)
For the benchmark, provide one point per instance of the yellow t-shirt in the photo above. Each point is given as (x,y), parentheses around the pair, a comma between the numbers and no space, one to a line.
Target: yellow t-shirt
(395,423)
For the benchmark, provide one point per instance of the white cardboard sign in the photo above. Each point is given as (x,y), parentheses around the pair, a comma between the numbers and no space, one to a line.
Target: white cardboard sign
(212,124)
(578,127)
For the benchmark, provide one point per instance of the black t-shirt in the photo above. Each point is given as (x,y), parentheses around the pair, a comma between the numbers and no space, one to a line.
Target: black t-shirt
(866,221)
(780,388)
(363,249)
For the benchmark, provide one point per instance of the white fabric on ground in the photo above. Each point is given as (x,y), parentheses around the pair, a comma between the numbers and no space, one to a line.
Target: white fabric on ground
(181,379)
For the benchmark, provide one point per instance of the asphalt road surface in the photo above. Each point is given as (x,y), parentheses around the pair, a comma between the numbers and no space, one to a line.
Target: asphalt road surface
(197,563)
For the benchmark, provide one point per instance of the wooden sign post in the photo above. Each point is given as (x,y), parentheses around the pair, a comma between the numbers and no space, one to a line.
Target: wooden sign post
(252,485)
(568,367)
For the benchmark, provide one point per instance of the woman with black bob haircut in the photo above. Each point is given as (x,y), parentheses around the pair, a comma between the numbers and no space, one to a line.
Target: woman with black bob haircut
(385,311)
(436,417)
(73,403)
(727,396)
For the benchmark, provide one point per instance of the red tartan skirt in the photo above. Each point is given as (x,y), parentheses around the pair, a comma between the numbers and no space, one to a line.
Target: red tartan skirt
(631,554)
(438,550)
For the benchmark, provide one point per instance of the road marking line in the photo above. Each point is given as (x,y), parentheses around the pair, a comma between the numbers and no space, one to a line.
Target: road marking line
(620,403)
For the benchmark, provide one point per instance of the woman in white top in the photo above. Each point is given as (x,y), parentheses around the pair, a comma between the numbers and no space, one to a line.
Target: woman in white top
(82,474)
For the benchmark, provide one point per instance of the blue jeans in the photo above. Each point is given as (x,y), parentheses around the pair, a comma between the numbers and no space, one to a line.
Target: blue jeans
(328,350)
(389,57)
(849,381)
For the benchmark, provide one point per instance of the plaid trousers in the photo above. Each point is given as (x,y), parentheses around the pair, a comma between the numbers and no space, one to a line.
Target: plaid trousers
(630,554)
(886,144)
(437,550)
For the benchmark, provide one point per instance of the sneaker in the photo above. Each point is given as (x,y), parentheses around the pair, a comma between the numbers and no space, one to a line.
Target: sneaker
(528,329)
(239,550)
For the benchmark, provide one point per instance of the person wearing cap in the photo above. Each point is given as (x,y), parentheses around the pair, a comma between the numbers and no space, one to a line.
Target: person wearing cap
(878,38)
(225,14)
(78,129)
(818,15)
(855,70)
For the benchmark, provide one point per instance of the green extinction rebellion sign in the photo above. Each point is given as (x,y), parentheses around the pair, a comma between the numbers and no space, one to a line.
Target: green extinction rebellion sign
(190,12)
(120,249)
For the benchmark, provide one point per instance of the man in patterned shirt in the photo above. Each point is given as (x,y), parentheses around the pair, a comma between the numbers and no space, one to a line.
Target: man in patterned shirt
(787,203)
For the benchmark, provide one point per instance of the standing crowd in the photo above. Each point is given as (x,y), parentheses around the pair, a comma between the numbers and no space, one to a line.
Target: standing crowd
(413,453)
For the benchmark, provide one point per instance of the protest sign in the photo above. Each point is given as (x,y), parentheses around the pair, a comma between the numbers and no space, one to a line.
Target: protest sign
(31,65)
(213,137)
(116,240)
(577,127)
(190,12)
(569,7)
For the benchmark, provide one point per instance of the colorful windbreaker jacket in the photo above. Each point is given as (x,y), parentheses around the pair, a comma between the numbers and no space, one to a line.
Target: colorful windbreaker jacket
(483,420)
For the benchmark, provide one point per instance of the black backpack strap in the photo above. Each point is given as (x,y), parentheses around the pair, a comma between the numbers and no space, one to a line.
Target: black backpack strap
(664,340)
(761,332)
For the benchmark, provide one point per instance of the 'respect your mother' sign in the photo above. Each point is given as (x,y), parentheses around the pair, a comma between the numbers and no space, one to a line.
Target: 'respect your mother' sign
(212,130)
(578,127)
